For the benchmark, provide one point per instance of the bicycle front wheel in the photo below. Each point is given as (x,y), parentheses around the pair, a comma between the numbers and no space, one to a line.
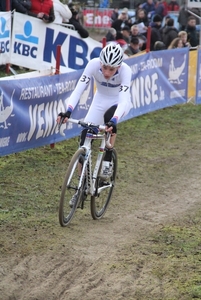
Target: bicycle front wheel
(70,194)
(103,194)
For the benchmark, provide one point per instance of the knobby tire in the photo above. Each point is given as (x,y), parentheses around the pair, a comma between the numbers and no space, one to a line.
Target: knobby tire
(71,179)
(100,202)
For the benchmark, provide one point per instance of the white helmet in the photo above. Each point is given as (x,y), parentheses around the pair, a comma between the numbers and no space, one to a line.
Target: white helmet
(112,55)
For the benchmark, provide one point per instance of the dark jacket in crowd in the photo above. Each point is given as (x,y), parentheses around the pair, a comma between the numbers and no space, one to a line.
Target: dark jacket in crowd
(192,36)
(160,9)
(3,5)
(75,22)
(21,6)
(149,8)
(169,34)
(109,37)
(155,31)
(144,20)
(119,24)
(183,17)
(114,15)
(155,36)
(130,51)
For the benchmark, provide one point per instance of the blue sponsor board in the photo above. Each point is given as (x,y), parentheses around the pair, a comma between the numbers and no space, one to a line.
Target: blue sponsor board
(198,79)
(159,79)
(29,108)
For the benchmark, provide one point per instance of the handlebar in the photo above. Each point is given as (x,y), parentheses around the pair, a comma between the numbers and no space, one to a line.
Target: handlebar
(87,125)
(95,128)
(83,124)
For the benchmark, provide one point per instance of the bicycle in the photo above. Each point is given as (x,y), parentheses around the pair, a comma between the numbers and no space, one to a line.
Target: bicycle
(83,177)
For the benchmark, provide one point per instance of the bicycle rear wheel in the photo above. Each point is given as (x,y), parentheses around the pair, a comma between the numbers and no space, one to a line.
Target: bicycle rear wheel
(104,189)
(70,189)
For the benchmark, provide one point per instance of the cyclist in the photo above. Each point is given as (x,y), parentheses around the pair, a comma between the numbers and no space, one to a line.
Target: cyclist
(111,100)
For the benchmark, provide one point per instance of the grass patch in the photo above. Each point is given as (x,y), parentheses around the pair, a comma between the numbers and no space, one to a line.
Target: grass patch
(153,151)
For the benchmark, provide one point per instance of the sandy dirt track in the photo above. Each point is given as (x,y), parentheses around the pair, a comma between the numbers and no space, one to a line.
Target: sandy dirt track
(103,259)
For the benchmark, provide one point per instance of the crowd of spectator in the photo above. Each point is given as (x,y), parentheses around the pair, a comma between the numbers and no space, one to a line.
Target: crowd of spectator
(164,33)
(48,11)
(131,35)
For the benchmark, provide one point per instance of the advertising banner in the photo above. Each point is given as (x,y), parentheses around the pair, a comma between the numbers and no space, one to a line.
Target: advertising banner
(99,18)
(5,34)
(192,69)
(34,45)
(29,108)
(159,79)
(194,3)
(198,79)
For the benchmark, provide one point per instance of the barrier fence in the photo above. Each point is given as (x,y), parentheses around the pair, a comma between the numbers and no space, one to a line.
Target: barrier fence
(29,106)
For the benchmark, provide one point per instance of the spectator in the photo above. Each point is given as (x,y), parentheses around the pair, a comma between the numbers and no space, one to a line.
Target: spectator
(115,14)
(169,33)
(111,35)
(183,36)
(120,40)
(191,32)
(183,17)
(3,5)
(138,6)
(42,9)
(133,48)
(155,31)
(197,12)
(75,22)
(173,6)
(176,43)
(141,17)
(160,8)
(142,39)
(62,12)
(164,26)
(21,6)
(121,21)
(159,46)
(149,7)
(166,7)
(126,33)
(125,3)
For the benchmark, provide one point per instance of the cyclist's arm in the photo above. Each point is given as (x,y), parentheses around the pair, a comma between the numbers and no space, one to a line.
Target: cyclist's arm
(82,84)
(124,103)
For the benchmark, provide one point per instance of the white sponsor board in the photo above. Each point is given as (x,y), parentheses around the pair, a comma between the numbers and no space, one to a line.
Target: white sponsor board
(5,32)
(34,45)
(194,3)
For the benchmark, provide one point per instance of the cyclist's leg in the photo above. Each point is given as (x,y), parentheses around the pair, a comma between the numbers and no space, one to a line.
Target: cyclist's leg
(107,117)
(81,143)
(82,136)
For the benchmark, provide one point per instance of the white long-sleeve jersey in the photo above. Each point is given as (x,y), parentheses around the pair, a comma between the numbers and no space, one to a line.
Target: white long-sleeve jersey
(115,91)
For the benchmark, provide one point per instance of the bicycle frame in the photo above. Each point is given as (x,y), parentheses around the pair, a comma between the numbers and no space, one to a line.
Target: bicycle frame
(83,176)
(86,167)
